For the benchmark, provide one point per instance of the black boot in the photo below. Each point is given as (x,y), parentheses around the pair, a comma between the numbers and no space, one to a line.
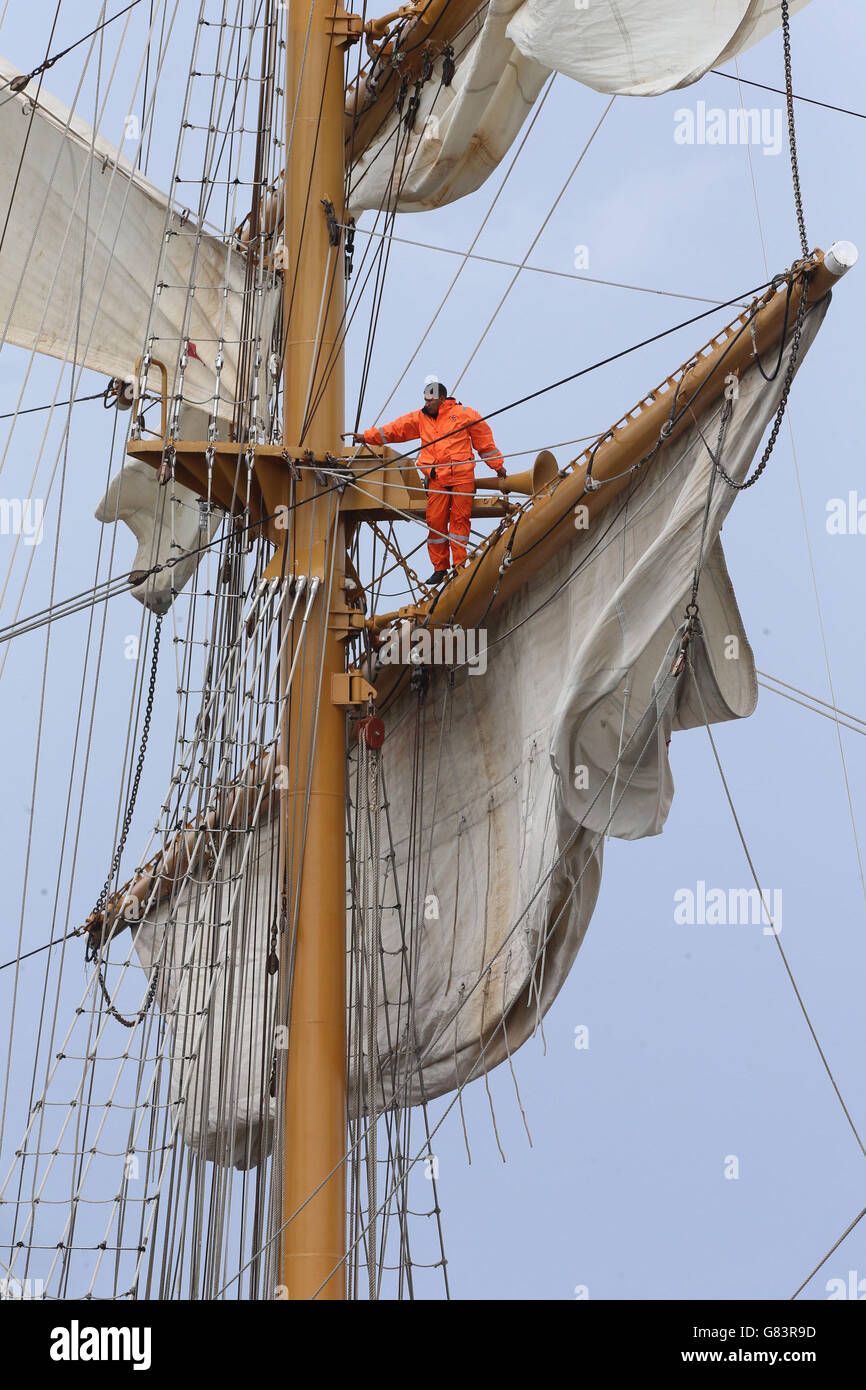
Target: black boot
(437,576)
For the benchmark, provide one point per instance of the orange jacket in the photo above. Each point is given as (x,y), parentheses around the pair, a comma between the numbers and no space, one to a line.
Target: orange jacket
(464,428)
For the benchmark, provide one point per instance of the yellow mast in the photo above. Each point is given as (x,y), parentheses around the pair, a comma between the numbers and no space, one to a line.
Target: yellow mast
(314,545)
(313,1242)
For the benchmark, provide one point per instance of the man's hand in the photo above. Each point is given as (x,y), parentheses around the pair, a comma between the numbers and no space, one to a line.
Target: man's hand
(357,438)
(500,473)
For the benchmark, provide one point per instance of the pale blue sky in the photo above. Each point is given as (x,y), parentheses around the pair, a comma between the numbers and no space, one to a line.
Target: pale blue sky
(697,1047)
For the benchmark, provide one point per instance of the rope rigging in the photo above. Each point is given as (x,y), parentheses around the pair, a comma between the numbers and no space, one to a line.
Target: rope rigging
(96,938)
(226,727)
(18,84)
(782,91)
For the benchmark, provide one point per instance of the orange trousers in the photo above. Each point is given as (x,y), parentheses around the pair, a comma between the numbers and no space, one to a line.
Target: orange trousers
(449,513)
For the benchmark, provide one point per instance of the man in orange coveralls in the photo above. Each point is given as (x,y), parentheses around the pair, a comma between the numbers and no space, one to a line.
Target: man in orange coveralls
(448,432)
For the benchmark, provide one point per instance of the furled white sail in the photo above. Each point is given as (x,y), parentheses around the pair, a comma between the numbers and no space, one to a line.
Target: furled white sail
(168,523)
(629,47)
(461,132)
(96,268)
(81,256)
(219,1000)
(561,741)
(523,770)
(636,49)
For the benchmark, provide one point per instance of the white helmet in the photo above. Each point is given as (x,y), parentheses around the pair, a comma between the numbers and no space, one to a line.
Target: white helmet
(431,388)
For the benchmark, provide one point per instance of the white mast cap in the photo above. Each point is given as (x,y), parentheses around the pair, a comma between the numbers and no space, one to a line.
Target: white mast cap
(840,257)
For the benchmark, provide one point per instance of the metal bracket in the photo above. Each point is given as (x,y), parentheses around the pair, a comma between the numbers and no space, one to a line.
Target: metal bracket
(349,688)
(333,224)
(140,389)
(345,27)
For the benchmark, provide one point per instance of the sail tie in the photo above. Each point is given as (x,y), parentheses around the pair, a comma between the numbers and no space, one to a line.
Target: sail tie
(97,917)
(692,627)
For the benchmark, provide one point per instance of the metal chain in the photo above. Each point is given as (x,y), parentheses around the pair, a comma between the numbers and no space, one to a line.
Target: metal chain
(692,614)
(121,844)
(783,399)
(792,133)
(802,306)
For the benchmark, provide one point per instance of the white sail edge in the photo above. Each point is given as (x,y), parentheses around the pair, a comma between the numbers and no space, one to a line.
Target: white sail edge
(630,48)
(555,745)
(88,237)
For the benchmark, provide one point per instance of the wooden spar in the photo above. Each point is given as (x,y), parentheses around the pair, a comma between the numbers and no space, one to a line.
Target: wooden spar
(313,739)
(233,809)
(435,24)
(547,524)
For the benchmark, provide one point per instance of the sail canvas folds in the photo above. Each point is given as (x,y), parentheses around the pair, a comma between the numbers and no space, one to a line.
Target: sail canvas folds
(219,1000)
(499,800)
(628,47)
(561,741)
(460,132)
(636,49)
(95,264)
(167,522)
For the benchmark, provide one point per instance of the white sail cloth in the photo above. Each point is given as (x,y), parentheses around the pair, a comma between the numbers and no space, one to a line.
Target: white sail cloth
(562,740)
(636,49)
(166,522)
(88,240)
(219,1001)
(630,47)
(522,771)
(461,132)
(89,237)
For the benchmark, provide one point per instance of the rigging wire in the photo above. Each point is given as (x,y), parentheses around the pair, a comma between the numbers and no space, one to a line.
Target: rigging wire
(18,84)
(380,257)
(467,254)
(819,609)
(382,268)
(555,204)
(594,366)
(16,960)
(814,699)
(780,91)
(43,615)
(835,1246)
(831,712)
(775,933)
(538,952)
(66,822)
(27,134)
(79,1146)
(534,269)
(53,405)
